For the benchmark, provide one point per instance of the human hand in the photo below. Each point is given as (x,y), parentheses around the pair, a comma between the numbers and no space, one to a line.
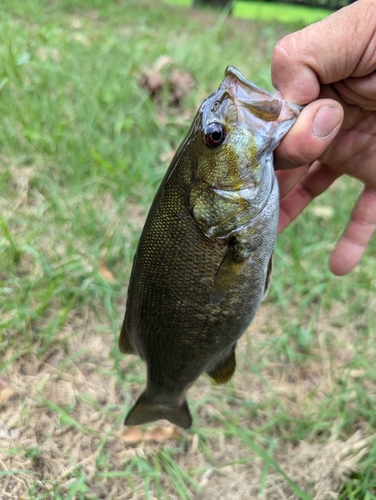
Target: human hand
(330,66)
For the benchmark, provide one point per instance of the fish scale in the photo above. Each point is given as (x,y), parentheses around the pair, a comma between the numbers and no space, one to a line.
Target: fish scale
(203,262)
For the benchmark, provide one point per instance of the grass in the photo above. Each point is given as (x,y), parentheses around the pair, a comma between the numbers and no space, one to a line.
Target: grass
(272,12)
(280,12)
(83,149)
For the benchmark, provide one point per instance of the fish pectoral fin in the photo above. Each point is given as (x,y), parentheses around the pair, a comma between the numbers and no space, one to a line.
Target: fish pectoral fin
(268,276)
(144,412)
(125,345)
(225,276)
(222,370)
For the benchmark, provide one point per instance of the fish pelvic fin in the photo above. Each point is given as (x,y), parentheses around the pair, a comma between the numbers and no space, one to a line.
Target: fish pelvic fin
(145,411)
(223,369)
(125,345)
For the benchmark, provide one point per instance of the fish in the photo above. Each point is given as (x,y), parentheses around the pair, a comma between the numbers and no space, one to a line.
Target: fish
(205,256)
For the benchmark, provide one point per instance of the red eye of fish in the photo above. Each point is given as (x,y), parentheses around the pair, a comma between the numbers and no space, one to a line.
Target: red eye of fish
(215,135)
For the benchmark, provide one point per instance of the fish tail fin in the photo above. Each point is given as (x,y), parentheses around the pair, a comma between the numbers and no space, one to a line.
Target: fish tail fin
(144,411)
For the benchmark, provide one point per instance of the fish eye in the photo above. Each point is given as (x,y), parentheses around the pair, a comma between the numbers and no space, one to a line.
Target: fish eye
(215,134)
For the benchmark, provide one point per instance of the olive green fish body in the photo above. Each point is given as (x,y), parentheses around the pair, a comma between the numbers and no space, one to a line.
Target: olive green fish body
(204,258)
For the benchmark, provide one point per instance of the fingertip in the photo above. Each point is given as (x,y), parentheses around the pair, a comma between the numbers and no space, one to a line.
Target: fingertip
(344,257)
(354,240)
(310,136)
(336,267)
(291,76)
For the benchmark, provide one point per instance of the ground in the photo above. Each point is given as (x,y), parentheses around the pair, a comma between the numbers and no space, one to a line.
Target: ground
(84,146)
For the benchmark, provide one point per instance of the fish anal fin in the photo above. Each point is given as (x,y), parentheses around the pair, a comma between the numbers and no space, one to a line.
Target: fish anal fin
(223,369)
(145,411)
(225,276)
(125,345)
(268,276)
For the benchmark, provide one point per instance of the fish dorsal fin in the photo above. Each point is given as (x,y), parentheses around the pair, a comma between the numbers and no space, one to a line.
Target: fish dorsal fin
(226,276)
(125,345)
(268,276)
(222,370)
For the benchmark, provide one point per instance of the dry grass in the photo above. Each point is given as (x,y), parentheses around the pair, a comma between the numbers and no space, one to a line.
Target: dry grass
(63,411)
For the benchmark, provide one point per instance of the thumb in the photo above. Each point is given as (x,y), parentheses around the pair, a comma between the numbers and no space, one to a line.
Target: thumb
(313,131)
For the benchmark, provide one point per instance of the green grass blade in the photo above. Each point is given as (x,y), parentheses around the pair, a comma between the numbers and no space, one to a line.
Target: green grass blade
(268,459)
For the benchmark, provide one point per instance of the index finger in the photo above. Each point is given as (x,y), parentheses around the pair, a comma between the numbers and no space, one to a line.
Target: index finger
(342,45)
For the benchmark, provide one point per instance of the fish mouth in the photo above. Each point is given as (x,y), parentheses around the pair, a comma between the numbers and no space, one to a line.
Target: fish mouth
(237,82)
(262,104)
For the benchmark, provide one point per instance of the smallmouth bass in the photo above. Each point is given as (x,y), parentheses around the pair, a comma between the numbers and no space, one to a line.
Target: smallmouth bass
(204,259)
